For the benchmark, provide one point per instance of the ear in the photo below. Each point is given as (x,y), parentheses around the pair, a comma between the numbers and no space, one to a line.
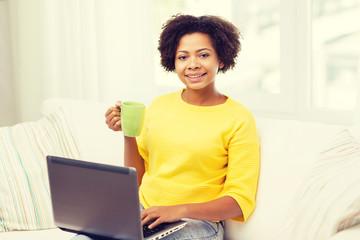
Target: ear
(221,64)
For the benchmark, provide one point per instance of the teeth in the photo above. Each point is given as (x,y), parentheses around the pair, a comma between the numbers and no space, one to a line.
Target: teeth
(195,76)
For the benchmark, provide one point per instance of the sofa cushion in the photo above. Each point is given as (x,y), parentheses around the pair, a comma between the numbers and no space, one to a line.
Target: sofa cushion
(49,234)
(288,149)
(329,199)
(351,233)
(24,191)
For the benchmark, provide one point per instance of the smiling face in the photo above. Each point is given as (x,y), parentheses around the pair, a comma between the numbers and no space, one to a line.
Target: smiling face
(196,62)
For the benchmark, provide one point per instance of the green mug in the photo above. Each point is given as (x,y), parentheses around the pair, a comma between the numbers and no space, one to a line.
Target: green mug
(132,118)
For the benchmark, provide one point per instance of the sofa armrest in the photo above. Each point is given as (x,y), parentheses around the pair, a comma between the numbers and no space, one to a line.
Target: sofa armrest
(348,234)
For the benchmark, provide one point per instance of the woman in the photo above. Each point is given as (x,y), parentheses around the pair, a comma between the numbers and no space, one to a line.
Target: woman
(198,153)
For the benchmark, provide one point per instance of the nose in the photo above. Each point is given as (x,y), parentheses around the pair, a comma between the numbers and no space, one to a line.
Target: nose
(193,63)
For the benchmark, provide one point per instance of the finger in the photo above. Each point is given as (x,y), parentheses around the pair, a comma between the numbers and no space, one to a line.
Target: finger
(116,121)
(148,219)
(115,128)
(147,215)
(111,116)
(118,104)
(144,213)
(116,111)
(112,111)
(108,112)
(157,222)
(145,221)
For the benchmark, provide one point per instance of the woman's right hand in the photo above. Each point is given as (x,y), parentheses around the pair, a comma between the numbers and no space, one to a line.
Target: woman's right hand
(113,118)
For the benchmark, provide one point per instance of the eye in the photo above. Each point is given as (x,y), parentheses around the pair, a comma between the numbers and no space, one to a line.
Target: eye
(182,57)
(204,55)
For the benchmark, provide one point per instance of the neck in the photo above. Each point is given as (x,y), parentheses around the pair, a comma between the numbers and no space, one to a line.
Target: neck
(203,97)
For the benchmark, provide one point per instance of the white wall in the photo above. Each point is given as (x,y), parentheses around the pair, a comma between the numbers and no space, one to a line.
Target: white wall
(91,50)
(7,98)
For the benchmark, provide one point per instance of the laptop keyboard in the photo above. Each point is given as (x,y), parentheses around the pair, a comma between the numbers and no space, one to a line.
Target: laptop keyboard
(147,231)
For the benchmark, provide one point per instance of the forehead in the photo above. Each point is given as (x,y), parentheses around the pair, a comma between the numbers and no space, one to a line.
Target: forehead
(195,41)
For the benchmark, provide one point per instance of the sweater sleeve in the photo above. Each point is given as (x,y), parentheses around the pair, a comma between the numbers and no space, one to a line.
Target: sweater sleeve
(243,166)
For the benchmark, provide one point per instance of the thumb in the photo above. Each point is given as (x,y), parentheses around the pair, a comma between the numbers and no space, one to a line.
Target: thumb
(118,103)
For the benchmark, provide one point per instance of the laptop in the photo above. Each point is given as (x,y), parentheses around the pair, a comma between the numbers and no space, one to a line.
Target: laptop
(99,200)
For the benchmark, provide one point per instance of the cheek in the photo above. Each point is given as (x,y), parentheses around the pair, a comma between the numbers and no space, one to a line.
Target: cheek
(216,65)
(178,70)
(179,67)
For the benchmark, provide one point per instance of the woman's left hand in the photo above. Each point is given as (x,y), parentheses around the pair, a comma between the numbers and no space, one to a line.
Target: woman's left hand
(162,214)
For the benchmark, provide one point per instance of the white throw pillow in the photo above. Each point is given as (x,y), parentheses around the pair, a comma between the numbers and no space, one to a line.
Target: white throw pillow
(24,190)
(329,199)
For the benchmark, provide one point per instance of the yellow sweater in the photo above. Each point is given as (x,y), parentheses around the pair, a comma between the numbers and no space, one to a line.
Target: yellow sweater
(194,154)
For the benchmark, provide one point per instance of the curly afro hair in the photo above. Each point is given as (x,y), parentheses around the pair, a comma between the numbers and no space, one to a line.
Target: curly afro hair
(224,36)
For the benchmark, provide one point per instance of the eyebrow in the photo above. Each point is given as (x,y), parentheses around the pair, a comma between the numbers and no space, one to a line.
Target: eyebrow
(202,49)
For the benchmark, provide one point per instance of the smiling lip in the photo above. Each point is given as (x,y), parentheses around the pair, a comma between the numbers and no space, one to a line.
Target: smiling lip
(195,77)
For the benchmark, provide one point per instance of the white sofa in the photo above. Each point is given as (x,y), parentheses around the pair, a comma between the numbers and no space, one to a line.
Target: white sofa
(308,188)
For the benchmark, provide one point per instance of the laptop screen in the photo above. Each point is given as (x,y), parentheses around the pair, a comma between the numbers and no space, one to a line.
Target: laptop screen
(95,198)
